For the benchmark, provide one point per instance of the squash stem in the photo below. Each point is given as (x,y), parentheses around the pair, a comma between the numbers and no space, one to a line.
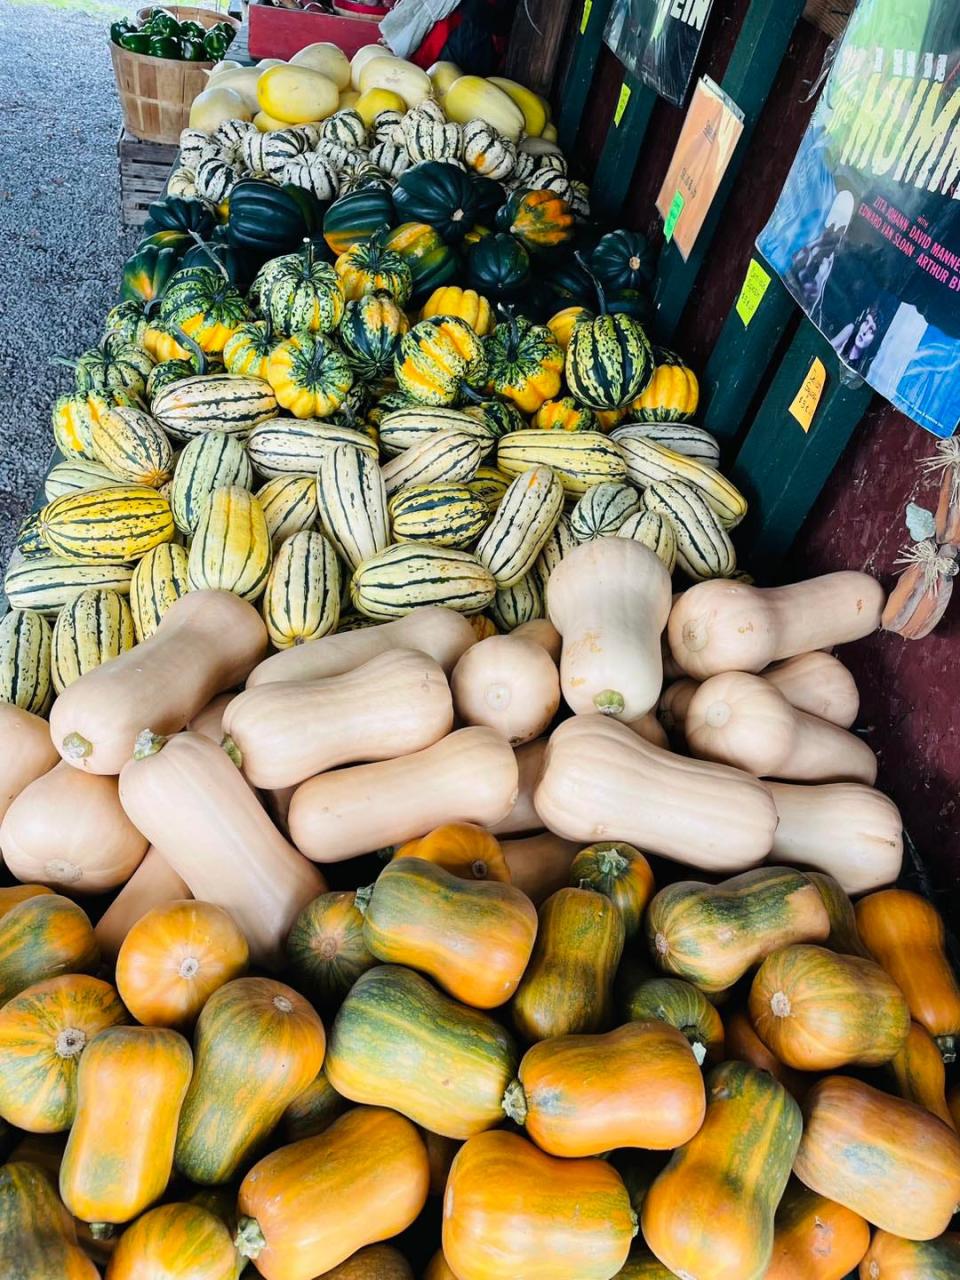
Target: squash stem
(102,1230)
(361,899)
(148,743)
(609,702)
(232,750)
(948,1048)
(611,862)
(515,1102)
(249,1241)
(76,747)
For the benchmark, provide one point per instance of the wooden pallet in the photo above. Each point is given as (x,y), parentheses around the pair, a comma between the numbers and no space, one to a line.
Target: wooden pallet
(144,169)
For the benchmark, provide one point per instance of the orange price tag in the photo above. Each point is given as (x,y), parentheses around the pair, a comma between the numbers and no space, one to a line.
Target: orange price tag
(808,397)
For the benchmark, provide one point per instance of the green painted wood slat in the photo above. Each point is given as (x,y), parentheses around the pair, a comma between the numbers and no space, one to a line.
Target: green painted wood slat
(621,149)
(579,78)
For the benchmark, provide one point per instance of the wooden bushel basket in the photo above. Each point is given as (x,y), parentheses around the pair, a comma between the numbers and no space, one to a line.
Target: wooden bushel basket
(156,93)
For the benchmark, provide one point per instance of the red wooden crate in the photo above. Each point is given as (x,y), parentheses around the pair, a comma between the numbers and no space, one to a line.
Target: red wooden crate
(280,33)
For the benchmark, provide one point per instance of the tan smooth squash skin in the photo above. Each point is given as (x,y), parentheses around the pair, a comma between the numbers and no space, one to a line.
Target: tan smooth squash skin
(819,684)
(396,703)
(601,781)
(207,641)
(152,884)
(610,600)
(743,720)
(523,816)
(729,626)
(470,776)
(850,831)
(26,751)
(539,865)
(67,828)
(543,633)
(191,801)
(509,684)
(209,721)
(440,633)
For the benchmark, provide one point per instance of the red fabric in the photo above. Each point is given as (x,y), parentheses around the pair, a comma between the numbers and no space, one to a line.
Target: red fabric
(431,49)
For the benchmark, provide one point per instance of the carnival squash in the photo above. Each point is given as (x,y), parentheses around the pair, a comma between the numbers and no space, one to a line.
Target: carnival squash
(815,1239)
(680,1004)
(510,1210)
(621,873)
(153,884)
(68,829)
(38,1240)
(818,1011)
(43,937)
(307,1207)
(469,776)
(711,1211)
(395,704)
(602,781)
(567,987)
(206,642)
(172,1242)
(43,1032)
(893,1258)
(463,849)
(740,719)
(472,937)
(637,1086)
(920,1075)
(228,1109)
(26,751)
(326,950)
(508,684)
(397,1042)
(194,806)
(174,958)
(819,684)
(886,1159)
(904,933)
(730,626)
(539,865)
(130,1087)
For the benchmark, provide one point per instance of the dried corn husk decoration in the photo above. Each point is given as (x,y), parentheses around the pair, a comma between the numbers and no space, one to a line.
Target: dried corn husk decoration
(923,590)
(947,462)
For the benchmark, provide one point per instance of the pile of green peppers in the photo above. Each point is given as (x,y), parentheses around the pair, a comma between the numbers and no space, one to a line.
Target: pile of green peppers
(162,35)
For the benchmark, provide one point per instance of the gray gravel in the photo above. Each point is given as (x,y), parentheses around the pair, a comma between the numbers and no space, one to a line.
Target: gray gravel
(62,240)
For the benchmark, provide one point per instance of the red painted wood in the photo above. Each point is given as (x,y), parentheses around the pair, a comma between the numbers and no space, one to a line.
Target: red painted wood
(280,33)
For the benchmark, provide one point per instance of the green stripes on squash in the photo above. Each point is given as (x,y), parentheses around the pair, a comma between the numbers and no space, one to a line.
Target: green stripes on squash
(602,510)
(50,582)
(412,574)
(93,628)
(25,648)
(405,428)
(289,505)
(608,362)
(295,446)
(110,525)
(580,459)
(704,549)
(133,446)
(302,598)
(158,581)
(450,457)
(214,460)
(681,437)
(523,602)
(655,531)
(490,485)
(448,515)
(648,462)
(231,548)
(76,475)
(521,525)
(213,402)
(352,503)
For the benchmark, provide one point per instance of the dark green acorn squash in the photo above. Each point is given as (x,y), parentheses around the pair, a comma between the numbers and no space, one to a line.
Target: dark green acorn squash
(176,213)
(354,218)
(498,265)
(240,268)
(369,332)
(431,260)
(623,260)
(269,220)
(147,272)
(444,197)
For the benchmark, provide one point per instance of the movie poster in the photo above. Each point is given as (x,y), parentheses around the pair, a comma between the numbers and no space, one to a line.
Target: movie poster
(658,41)
(866,234)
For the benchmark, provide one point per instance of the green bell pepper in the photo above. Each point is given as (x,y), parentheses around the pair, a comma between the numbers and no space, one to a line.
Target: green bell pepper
(162,23)
(193,50)
(191,31)
(121,28)
(226,29)
(215,44)
(136,41)
(165,47)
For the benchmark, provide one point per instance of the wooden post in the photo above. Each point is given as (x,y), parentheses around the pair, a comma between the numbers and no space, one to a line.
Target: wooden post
(622,147)
(576,86)
(535,41)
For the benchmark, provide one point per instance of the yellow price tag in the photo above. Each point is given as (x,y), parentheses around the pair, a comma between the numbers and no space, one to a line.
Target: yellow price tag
(808,397)
(585,19)
(751,295)
(621,104)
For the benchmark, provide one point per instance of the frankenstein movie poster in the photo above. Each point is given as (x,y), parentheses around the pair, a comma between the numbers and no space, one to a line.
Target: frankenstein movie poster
(866,235)
(658,41)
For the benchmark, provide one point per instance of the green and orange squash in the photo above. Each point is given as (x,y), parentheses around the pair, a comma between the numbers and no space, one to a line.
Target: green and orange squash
(180,1239)
(38,1240)
(431,260)
(463,849)
(892,1258)
(619,871)
(356,217)
(299,292)
(681,1005)
(41,937)
(815,1238)
(373,268)
(524,363)
(370,329)
(313,1110)
(326,950)
(541,220)
(309,375)
(920,1074)
(205,305)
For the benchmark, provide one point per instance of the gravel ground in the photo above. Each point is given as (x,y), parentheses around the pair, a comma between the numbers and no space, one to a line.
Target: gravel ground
(63,242)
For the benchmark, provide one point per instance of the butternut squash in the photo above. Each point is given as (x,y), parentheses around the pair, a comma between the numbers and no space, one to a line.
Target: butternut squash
(209,720)
(892,1258)
(12,897)
(463,849)
(742,1044)
(651,730)
(470,776)
(508,684)
(539,865)
(193,805)
(397,703)
(743,720)
(920,1074)
(152,884)
(207,641)
(721,626)
(543,633)
(68,829)
(38,1240)
(601,781)
(26,751)
(848,830)
(814,1238)
(610,600)
(439,633)
(523,816)
(819,684)
(844,935)
(672,709)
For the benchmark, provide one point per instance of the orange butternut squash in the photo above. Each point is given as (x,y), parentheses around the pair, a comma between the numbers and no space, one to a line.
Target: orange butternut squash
(375,1262)
(174,1241)
(681,1005)
(175,957)
(637,1086)
(819,684)
(228,1109)
(38,1240)
(886,1159)
(313,1110)
(523,817)
(920,1074)
(510,1210)
(396,703)
(892,1258)
(508,684)
(844,935)
(814,1238)
(904,933)
(850,831)
(817,1010)
(742,1044)
(567,986)
(130,1087)
(463,849)
(642,1265)
(472,937)
(441,634)
(309,1206)
(731,626)
(206,642)
(620,872)
(191,802)
(601,781)
(325,948)
(12,897)
(69,829)
(43,1033)
(469,776)
(539,865)
(711,1211)
(26,751)
(610,599)
(42,937)
(744,720)
(152,884)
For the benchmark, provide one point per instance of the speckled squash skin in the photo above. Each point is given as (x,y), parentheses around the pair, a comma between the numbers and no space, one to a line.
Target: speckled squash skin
(37,1236)
(174,1241)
